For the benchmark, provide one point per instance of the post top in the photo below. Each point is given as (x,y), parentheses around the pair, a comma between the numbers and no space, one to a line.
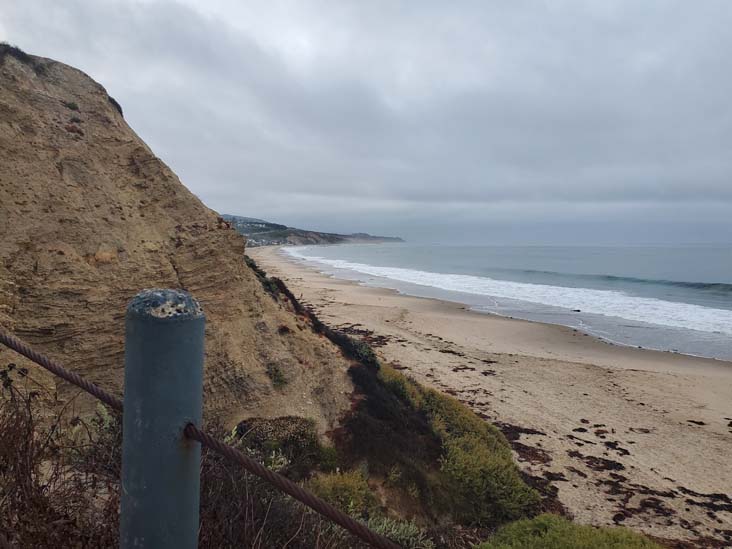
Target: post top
(165,303)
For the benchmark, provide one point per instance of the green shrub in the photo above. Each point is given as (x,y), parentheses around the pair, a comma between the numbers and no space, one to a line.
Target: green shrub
(554,532)
(116,105)
(448,416)
(239,509)
(424,443)
(328,460)
(395,476)
(348,491)
(269,285)
(405,533)
(363,352)
(485,482)
(480,483)
(14,51)
(295,438)
(71,105)
(275,373)
(453,419)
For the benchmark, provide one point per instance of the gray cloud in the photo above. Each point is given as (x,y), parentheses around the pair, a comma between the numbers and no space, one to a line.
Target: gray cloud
(520,121)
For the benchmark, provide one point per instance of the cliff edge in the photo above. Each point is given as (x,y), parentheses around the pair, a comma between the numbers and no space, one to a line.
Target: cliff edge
(89,216)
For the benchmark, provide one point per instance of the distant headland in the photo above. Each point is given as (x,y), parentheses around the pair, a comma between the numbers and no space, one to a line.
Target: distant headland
(265,233)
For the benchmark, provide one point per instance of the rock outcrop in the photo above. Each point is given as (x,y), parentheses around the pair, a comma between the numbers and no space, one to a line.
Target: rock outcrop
(89,216)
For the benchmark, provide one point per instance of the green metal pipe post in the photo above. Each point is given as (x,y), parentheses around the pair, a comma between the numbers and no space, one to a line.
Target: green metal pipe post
(163,392)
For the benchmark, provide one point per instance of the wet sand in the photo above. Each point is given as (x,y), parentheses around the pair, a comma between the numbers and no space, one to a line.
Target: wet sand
(626,436)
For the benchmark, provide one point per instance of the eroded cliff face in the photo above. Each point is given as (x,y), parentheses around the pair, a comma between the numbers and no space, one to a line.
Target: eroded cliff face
(89,216)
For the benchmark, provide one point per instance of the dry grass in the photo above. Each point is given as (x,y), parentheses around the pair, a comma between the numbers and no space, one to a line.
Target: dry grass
(8,50)
(240,510)
(59,480)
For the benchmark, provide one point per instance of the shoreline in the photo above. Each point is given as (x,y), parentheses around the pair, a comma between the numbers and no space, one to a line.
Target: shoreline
(627,436)
(605,340)
(680,336)
(596,350)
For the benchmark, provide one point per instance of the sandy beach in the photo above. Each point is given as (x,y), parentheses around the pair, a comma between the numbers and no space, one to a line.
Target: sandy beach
(626,436)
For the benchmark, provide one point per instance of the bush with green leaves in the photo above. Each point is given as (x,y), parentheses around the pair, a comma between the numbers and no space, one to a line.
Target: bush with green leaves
(480,483)
(275,373)
(349,491)
(59,485)
(485,483)
(295,438)
(405,533)
(363,352)
(8,50)
(115,104)
(267,283)
(403,430)
(554,532)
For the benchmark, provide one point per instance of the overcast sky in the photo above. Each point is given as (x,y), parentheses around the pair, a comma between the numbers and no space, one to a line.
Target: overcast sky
(506,122)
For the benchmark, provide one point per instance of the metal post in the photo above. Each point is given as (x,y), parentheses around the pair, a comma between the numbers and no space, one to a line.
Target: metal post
(163,392)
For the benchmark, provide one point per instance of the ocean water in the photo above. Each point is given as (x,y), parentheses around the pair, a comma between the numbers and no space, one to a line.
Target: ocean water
(668,298)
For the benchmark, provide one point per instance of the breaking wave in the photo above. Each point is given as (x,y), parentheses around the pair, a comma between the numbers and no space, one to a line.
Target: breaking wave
(611,303)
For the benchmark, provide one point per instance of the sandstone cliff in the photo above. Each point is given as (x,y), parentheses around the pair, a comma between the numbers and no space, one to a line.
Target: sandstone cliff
(89,216)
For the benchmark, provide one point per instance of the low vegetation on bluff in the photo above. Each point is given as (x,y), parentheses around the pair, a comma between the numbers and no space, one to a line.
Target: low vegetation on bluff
(412,463)
(553,532)
(412,452)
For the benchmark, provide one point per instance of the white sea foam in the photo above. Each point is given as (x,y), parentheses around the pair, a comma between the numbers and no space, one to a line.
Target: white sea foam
(602,302)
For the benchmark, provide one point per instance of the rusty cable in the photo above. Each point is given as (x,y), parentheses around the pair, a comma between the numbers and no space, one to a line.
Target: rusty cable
(280,482)
(284,484)
(42,360)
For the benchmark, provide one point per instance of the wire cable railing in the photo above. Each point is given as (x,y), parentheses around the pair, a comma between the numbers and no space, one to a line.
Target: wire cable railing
(192,432)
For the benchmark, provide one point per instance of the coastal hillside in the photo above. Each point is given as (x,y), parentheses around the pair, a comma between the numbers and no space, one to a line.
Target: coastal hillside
(89,216)
(265,233)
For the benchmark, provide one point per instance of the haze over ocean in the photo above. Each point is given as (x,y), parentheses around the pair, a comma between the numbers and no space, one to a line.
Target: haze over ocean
(671,298)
